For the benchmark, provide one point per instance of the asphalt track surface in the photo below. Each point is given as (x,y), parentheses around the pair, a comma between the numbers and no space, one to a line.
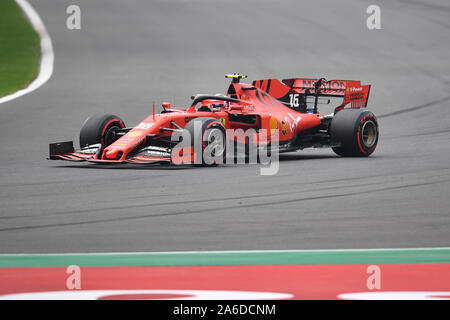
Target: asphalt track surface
(131,53)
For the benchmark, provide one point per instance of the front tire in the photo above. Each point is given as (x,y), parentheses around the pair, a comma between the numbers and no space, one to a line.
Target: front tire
(208,137)
(354,133)
(100,129)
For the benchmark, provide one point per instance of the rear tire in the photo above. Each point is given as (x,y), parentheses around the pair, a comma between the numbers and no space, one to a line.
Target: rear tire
(100,129)
(355,131)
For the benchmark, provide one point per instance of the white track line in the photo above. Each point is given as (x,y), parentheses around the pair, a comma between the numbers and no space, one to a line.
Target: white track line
(225,251)
(47,55)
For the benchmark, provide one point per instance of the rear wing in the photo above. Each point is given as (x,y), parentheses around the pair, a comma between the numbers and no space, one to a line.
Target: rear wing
(352,92)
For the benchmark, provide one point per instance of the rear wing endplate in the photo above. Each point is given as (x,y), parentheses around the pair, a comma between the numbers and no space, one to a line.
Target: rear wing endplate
(352,91)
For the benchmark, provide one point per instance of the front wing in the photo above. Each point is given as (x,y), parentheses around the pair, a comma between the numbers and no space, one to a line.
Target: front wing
(65,151)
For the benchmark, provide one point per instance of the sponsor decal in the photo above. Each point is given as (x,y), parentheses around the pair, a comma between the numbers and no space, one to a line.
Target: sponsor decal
(292,122)
(223,120)
(356,96)
(118,144)
(133,134)
(144,125)
(332,87)
(273,125)
(332,84)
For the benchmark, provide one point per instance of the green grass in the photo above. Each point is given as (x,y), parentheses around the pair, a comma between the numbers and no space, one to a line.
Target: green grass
(19,49)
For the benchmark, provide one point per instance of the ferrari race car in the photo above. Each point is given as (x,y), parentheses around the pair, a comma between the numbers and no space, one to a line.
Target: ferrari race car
(260,118)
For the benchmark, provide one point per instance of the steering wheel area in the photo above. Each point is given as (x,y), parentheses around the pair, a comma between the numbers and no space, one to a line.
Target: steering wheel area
(210,106)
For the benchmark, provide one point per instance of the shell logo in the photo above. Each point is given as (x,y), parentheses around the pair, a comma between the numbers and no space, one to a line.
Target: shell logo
(273,125)
(133,134)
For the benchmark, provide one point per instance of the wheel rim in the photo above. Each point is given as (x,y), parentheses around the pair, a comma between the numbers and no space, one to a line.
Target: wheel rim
(215,142)
(369,133)
(110,135)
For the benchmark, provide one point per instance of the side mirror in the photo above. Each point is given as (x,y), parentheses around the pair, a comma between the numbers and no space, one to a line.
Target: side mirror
(166,105)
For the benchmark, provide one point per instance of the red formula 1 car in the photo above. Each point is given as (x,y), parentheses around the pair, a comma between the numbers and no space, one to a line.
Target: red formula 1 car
(271,115)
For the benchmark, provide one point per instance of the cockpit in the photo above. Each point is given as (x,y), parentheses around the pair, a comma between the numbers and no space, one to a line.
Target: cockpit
(211,103)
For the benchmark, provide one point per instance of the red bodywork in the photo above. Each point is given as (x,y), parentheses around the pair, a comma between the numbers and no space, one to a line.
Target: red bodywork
(260,106)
